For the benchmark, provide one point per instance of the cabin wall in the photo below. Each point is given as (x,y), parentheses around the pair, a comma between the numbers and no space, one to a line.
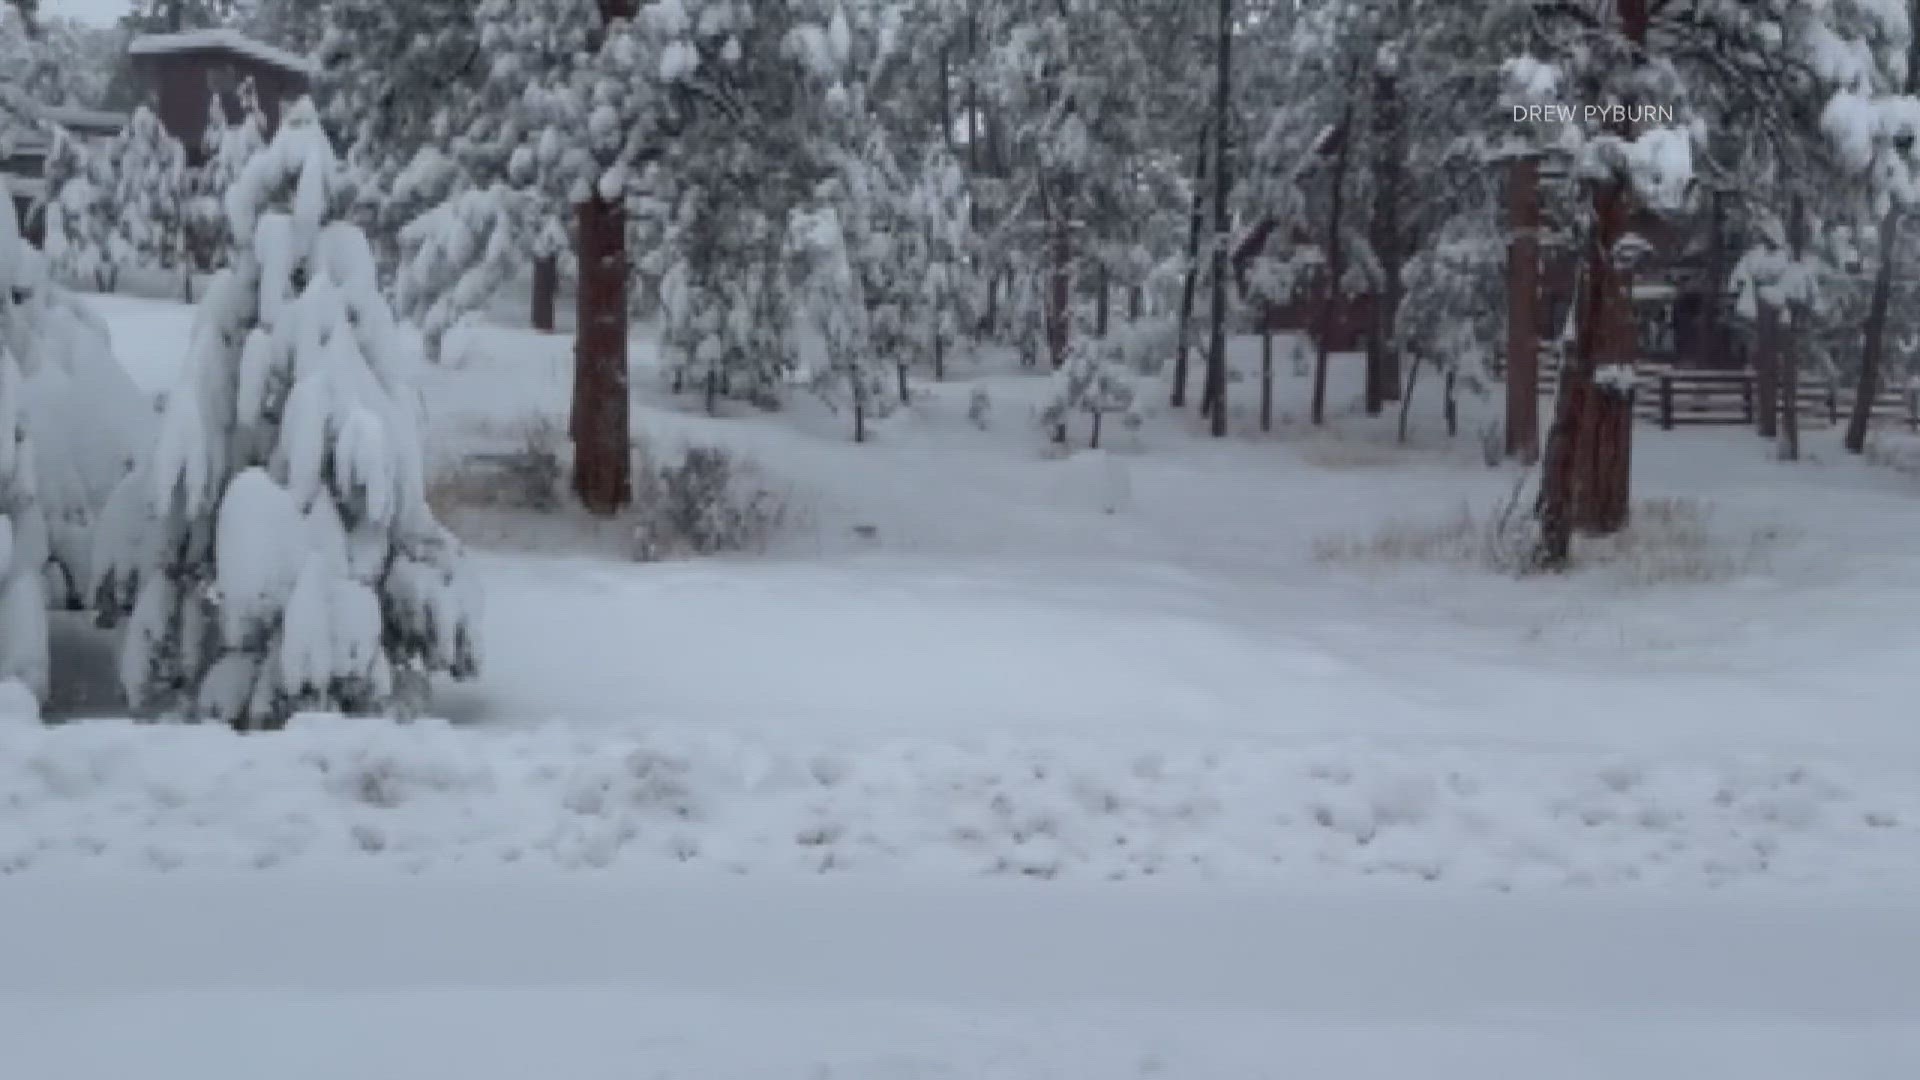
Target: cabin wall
(180,88)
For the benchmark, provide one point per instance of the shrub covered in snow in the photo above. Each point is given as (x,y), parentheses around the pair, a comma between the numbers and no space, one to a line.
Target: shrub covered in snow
(276,554)
(1095,381)
(87,420)
(23,529)
(706,504)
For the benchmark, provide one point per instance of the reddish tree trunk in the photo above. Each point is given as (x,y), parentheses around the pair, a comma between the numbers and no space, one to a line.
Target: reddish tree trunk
(546,288)
(601,443)
(1329,295)
(1196,221)
(1586,478)
(1523,320)
(1060,293)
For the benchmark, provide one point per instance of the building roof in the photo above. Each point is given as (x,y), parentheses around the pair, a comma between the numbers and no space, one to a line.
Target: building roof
(87,121)
(222,40)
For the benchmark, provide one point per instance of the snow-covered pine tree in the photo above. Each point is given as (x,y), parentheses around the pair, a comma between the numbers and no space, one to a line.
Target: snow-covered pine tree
(82,240)
(228,145)
(276,554)
(23,529)
(88,422)
(854,375)
(151,196)
(1096,381)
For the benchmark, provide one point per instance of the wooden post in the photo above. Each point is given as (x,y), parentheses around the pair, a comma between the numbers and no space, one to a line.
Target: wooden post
(1666,402)
(1523,325)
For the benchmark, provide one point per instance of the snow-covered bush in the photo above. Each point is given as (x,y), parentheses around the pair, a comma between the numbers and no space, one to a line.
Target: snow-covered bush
(23,529)
(1096,381)
(89,422)
(707,504)
(229,145)
(83,239)
(276,554)
(152,195)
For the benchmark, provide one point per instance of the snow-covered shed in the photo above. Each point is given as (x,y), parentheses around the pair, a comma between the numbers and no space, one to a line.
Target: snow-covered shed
(184,71)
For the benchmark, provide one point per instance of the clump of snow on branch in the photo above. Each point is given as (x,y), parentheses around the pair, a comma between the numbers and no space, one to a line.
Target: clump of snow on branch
(276,554)
(23,529)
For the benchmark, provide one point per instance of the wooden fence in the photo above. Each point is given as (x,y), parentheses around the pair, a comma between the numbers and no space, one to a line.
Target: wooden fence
(1678,397)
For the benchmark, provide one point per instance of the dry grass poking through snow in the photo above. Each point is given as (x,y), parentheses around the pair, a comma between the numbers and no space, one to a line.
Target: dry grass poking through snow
(1667,541)
(709,501)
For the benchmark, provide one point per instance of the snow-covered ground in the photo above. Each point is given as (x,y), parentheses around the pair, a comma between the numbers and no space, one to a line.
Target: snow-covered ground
(1681,786)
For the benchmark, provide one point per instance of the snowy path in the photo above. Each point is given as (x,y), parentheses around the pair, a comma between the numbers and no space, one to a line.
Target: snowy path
(482,978)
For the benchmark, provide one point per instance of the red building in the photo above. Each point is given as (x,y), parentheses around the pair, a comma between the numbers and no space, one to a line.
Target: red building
(184,72)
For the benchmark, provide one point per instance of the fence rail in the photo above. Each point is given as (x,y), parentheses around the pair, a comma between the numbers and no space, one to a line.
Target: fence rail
(1678,397)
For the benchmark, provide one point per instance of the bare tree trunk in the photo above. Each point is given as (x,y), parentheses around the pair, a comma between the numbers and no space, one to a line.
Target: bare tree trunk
(1406,398)
(1100,311)
(599,422)
(1796,340)
(1766,372)
(1136,303)
(1266,377)
(546,289)
(601,441)
(1222,186)
(1389,148)
(1329,312)
(1060,287)
(1578,412)
(1874,348)
(1196,221)
(1523,319)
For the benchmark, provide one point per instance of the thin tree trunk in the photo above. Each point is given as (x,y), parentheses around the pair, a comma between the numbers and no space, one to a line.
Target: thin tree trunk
(1196,221)
(939,356)
(1766,372)
(1136,303)
(1406,399)
(1060,287)
(1796,340)
(1874,348)
(1100,311)
(1523,319)
(1217,342)
(546,289)
(1383,360)
(1329,312)
(1266,377)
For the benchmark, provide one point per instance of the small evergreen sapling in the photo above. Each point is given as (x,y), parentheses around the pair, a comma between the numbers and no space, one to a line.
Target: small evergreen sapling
(1097,381)
(276,554)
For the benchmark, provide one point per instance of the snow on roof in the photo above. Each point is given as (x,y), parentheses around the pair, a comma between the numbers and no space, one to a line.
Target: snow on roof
(85,119)
(222,39)
(24,187)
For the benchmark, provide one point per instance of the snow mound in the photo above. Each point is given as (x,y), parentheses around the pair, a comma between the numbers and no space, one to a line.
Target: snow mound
(333,792)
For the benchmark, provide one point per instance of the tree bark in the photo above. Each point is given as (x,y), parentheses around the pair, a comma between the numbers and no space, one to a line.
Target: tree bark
(1196,221)
(1266,377)
(1523,318)
(1060,287)
(1874,347)
(1100,311)
(1766,372)
(1587,431)
(546,289)
(601,441)
(1796,340)
(1217,341)
(599,421)
(1330,293)
(1389,148)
